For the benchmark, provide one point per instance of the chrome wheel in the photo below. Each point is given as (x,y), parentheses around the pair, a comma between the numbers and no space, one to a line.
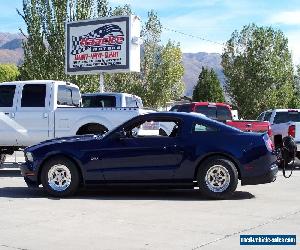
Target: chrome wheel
(217,178)
(59,177)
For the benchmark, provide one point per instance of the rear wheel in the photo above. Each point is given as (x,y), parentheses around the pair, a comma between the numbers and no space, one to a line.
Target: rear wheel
(60,177)
(217,178)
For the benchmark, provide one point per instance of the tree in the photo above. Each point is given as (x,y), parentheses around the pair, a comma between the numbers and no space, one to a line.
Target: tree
(259,70)
(160,79)
(44,50)
(296,97)
(208,87)
(8,72)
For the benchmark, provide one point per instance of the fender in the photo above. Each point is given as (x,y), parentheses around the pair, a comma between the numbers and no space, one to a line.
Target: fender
(91,119)
(202,158)
(68,155)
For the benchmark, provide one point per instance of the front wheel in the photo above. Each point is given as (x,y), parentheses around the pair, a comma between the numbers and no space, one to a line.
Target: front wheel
(217,178)
(60,177)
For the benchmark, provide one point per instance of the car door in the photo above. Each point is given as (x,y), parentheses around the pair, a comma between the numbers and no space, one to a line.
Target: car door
(8,126)
(32,114)
(150,158)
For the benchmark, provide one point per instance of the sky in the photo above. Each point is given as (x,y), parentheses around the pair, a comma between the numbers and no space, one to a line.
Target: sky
(213,20)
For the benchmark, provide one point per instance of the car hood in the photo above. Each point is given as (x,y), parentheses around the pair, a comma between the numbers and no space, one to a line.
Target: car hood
(77,138)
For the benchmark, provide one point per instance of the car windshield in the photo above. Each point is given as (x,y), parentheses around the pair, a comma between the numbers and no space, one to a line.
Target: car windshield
(98,101)
(181,108)
(290,116)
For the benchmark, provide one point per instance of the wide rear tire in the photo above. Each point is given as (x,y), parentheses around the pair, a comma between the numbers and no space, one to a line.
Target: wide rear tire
(60,177)
(217,178)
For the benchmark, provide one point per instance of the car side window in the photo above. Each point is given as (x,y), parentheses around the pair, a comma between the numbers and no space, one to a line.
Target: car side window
(283,117)
(210,112)
(261,116)
(68,96)
(223,113)
(198,128)
(154,128)
(33,95)
(267,116)
(130,102)
(7,93)
(174,108)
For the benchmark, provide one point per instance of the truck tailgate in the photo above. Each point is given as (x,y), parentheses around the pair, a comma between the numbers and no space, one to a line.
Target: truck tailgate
(250,125)
(297,131)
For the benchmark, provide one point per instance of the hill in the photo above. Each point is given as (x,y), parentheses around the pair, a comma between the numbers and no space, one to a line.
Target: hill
(11,48)
(193,63)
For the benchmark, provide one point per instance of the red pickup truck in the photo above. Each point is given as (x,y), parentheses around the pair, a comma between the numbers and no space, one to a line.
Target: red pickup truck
(222,112)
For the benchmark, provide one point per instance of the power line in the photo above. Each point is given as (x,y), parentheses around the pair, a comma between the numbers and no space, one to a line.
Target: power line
(193,36)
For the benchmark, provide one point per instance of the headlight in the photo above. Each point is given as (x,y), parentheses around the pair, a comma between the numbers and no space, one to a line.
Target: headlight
(29,156)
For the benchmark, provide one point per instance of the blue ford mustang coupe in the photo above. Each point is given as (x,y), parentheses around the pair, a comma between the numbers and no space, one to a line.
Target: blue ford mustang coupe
(170,150)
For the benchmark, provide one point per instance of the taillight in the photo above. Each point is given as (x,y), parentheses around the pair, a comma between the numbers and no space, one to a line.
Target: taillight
(269,131)
(292,131)
(269,143)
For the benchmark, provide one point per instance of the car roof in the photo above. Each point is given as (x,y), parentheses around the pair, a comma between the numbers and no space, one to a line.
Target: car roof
(109,94)
(42,82)
(211,103)
(182,115)
(220,104)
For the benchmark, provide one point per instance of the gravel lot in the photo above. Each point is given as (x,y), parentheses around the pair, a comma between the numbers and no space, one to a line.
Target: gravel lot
(149,219)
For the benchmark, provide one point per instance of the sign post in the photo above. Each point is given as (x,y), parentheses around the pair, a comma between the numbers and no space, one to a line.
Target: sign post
(101,82)
(103,45)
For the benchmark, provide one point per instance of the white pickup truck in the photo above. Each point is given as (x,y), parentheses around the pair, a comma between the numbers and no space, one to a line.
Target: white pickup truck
(34,111)
(284,122)
(111,99)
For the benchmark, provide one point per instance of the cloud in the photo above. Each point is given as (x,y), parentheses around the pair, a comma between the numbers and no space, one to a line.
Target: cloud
(165,4)
(294,38)
(286,17)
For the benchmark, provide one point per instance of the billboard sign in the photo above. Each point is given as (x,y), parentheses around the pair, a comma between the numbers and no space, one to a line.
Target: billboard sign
(103,45)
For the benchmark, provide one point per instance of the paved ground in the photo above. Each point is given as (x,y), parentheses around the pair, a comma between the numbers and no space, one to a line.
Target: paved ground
(124,219)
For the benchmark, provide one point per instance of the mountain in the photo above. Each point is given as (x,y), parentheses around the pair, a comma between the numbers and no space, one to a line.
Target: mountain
(11,52)
(193,63)
(7,37)
(11,48)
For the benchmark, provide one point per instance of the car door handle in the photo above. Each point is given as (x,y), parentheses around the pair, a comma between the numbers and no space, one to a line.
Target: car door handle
(169,147)
(173,148)
(6,113)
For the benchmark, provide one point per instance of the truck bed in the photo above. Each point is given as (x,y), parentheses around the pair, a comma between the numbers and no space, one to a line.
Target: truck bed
(251,125)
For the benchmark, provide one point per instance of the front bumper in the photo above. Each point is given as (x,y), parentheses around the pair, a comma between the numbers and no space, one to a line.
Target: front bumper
(268,177)
(30,176)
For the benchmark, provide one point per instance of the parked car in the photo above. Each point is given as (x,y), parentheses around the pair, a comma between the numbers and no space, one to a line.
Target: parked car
(198,152)
(222,112)
(34,111)
(284,122)
(111,99)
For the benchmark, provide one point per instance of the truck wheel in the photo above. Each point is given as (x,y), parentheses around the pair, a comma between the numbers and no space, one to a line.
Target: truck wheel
(92,128)
(60,177)
(2,158)
(298,155)
(217,178)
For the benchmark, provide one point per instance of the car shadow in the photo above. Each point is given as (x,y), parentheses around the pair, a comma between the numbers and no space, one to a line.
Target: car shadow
(10,173)
(120,194)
